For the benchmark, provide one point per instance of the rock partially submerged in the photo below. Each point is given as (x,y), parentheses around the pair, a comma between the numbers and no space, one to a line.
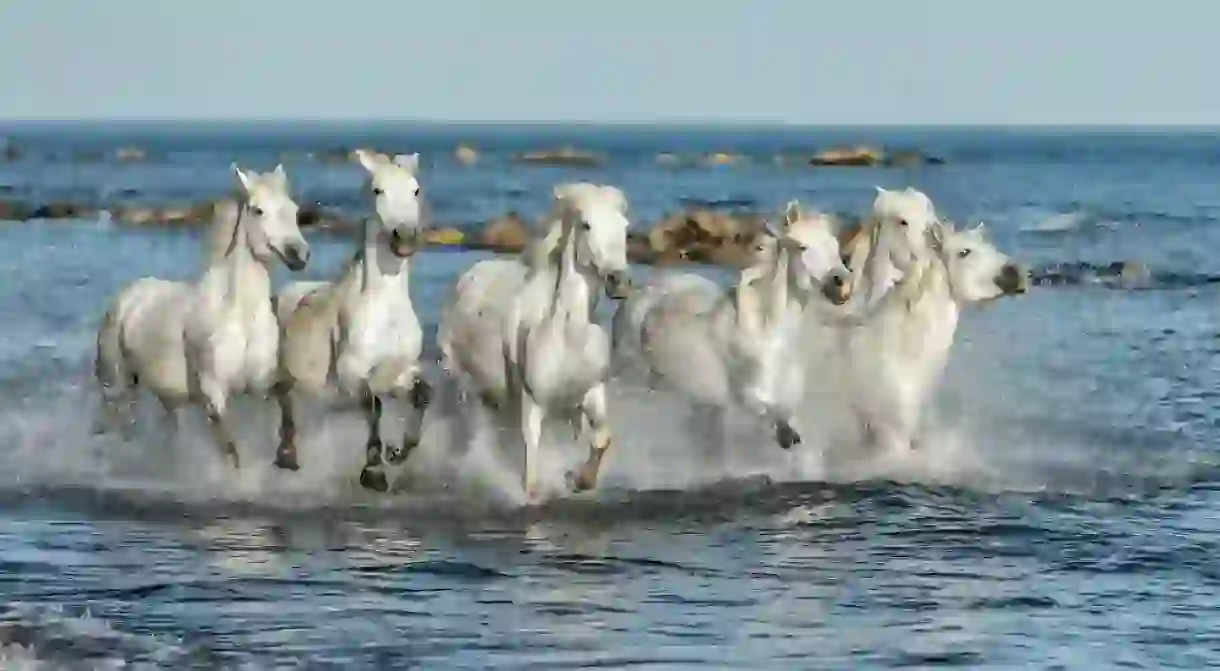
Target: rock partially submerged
(868,156)
(564,156)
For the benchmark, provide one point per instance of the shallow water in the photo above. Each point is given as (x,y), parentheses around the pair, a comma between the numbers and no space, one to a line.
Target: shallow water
(1062,515)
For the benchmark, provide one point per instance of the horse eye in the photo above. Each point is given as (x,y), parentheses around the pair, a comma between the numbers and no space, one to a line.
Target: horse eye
(964,253)
(417,190)
(803,248)
(378,192)
(584,225)
(903,222)
(761,248)
(256,211)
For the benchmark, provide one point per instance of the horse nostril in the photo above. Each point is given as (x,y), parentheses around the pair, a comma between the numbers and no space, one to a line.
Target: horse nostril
(837,280)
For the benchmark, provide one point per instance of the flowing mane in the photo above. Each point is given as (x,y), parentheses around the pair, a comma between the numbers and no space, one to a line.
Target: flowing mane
(225,217)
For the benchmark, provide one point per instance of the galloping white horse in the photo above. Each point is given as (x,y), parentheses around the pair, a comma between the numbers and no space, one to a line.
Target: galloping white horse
(897,350)
(202,343)
(522,332)
(892,243)
(739,347)
(360,333)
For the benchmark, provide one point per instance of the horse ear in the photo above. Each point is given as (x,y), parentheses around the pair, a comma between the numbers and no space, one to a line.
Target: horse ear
(792,213)
(243,177)
(366,158)
(408,162)
(616,194)
(280,175)
(769,229)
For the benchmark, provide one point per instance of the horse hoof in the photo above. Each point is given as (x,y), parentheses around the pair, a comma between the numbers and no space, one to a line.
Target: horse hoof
(286,460)
(397,455)
(579,481)
(787,436)
(374,480)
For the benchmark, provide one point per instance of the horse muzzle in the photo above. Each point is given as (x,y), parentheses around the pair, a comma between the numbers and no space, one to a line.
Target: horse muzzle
(405,243)
(1013,279)
(618,285)
(296,257)
(837,288)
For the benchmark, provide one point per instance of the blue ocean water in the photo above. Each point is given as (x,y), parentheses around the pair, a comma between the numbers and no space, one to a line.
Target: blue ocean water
(1072,525)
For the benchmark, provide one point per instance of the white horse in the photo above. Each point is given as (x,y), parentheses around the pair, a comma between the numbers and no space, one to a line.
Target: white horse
(521,334)
(203,343)
(892,243)
(360,333)
(738,347)
(896,351)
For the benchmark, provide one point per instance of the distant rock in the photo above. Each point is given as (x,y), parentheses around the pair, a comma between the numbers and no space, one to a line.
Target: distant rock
(62,210)
(868,156)
(509,232)
(564,156)
(466,155)
(11,210)
(860,155)
(447,236)
(668,159)
(11,152)
(130,154)
(721,158)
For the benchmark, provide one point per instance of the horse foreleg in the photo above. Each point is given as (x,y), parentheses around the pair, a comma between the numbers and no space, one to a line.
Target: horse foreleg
(286,453)
(594,407)
(418,399)
(532,415)
(221,432)
(372,476)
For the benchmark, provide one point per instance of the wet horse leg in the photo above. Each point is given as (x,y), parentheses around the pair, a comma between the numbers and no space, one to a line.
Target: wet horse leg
(418,399)
(372,476)
(286,453)
(594,407)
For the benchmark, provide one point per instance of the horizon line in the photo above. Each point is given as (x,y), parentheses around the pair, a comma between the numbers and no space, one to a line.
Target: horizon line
(696,122)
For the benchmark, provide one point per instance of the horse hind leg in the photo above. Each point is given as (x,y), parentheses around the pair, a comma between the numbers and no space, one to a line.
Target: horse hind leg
(286,452)
(595,411)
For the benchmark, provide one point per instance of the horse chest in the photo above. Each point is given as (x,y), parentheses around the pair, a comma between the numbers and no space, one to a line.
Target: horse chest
(246,351)
(384,327)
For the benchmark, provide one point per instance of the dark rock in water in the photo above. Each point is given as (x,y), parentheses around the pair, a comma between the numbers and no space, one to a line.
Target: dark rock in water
(11,152)
(866,156)
(861,155)
(1121,274)
(11,210)
(62,210)
(564,156)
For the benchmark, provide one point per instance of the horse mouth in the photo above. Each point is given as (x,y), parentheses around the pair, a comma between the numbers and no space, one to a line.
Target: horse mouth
(1013,280)
(404,246)
(293,258)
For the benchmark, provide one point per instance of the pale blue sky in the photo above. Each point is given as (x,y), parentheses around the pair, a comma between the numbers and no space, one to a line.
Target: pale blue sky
(799,61)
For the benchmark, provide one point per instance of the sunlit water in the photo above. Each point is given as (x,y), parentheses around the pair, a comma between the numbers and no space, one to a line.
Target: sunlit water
(1062,513)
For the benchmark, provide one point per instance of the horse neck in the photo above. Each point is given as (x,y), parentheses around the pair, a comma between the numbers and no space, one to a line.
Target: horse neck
(765,297)
(379,267)
(573,289)
(236,277)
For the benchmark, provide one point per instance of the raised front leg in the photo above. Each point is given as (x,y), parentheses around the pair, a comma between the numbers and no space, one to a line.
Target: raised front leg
(532,415)
(286,453)
(372,476)
(418,400)
(594,407)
